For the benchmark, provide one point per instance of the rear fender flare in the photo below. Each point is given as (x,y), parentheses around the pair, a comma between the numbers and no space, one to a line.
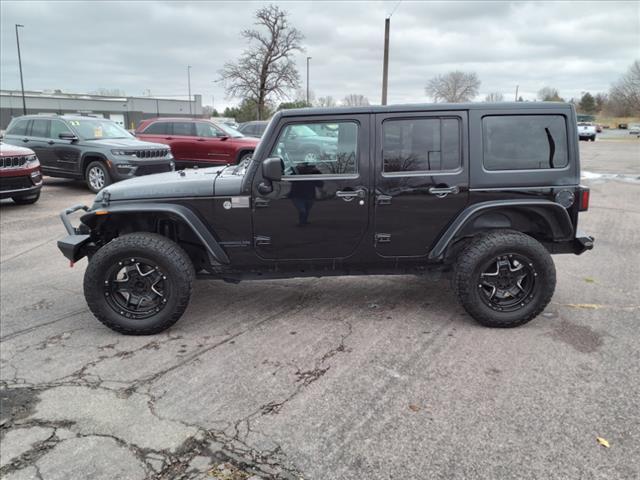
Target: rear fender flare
(186,215)
(553,214)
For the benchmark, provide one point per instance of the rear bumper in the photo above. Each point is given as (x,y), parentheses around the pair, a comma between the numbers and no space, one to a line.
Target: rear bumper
(580,244)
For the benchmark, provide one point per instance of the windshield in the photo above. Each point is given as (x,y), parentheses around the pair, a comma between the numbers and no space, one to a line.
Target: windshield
(232,132)
(98,129)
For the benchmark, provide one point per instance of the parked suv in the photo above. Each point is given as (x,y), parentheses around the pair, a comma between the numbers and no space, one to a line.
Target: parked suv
(20,176)
(488,191)
(93,149)
(253,129)
(198,142)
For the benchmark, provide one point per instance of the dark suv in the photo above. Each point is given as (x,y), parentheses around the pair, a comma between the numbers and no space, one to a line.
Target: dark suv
(93,149)
(487,191)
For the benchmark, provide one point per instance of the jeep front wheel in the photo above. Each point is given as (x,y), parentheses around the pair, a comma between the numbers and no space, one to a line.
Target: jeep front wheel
(139,284)
(97,176)
(504,278)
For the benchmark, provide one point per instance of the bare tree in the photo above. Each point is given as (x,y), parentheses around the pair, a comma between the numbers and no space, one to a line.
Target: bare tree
(327,101)
(494,97)
(549,94)
(265,70)
(625,93)
(453,87)
(355,100)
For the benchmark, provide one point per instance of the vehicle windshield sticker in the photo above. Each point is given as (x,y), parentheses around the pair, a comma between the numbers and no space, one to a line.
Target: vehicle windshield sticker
(75,123)
(97,132)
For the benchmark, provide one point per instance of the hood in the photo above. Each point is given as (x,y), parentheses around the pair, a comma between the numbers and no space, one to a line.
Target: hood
(184,183)
(245,141)
(13,150)
(125,143)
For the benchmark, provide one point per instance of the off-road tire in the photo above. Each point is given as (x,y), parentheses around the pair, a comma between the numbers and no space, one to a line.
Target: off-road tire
(470,261)
(169,257)
(26,200)
(105,171)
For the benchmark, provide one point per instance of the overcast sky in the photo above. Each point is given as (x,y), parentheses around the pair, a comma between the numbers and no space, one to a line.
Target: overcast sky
(138,46)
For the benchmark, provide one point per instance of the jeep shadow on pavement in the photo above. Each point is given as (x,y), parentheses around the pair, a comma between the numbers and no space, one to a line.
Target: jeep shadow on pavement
(487,190)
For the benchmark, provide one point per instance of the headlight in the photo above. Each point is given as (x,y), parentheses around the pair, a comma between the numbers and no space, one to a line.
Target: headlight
(119,152)
(32,161)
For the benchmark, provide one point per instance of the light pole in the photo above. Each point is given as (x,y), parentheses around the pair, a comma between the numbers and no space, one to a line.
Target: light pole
(308,58)
(24,103)
(189,83)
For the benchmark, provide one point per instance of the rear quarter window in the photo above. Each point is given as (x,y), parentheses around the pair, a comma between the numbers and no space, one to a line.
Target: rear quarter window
(524,142)
(19,127)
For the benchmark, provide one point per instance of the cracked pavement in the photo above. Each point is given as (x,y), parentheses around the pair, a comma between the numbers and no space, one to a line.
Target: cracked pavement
(334,378)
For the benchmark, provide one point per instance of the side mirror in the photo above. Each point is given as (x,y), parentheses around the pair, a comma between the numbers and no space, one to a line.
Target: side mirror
(68,136)
(272,169)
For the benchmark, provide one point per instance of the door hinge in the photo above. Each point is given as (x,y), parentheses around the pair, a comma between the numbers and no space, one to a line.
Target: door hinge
(383,199)
(383,237)
(261,240)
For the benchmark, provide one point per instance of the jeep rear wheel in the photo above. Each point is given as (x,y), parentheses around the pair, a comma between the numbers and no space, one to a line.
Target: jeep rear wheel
(504,278)
(139,284)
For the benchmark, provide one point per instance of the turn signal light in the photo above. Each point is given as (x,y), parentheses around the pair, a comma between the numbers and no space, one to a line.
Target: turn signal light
(584,199)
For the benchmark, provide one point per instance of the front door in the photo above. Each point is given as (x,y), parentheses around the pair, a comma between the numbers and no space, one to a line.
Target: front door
(421,179)
(64,153)
(212,145)
(320,208)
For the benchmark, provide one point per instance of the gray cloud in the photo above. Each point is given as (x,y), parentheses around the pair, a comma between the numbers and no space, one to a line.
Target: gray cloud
(135,46)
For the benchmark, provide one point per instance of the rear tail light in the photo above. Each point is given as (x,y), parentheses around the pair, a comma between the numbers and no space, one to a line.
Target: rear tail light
(584,199)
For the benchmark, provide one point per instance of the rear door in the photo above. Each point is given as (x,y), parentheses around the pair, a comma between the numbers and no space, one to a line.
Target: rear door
(421,179)
(41,143)
(182,139)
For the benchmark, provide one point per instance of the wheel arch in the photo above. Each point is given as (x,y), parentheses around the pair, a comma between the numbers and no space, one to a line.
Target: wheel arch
(542,219)
(243,152)
(89,157)
(176,222)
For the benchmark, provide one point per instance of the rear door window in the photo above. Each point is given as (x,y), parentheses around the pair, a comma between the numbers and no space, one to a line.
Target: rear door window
(420,145)
(40,128)
(157,128)
(184,129)
(524,142)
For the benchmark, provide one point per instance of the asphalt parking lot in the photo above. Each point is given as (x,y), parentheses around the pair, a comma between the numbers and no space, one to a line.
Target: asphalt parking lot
(334,378)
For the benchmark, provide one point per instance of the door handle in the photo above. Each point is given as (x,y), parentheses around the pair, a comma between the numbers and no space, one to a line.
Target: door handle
(201,139)
(348,195)
(168,138)
(51,142)
(443,191)
(25,140)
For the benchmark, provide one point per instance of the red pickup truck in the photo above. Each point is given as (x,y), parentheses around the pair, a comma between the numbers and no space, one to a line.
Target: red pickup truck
(198,142)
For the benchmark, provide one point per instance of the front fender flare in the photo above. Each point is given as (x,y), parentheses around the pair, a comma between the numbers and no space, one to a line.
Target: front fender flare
(556,214)
(185,214)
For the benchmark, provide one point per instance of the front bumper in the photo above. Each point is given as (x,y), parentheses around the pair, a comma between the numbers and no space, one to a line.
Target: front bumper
(122,169)
(73,246)
(24,183)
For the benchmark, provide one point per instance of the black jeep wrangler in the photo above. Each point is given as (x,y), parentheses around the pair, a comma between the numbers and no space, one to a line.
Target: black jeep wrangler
(487,191)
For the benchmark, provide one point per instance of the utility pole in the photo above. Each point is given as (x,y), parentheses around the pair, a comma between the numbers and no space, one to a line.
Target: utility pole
(189,82)
(385,64)
(24,103)
(308,104)
(517,86)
